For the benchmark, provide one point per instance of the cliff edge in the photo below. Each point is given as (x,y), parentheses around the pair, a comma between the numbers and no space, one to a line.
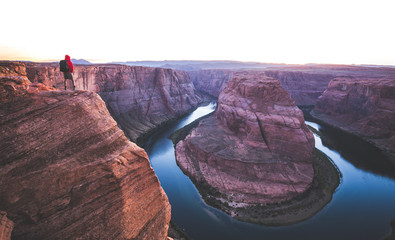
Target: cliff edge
(68,172)
(140,99)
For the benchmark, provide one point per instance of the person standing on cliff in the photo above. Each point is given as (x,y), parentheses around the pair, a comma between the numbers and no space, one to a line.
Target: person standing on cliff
(66,66)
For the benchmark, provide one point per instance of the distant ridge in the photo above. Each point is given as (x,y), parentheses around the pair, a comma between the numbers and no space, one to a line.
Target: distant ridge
(189,65)
(80,61)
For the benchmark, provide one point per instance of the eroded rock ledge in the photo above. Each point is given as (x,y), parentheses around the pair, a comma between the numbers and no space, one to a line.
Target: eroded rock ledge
(68,172)
(255,151)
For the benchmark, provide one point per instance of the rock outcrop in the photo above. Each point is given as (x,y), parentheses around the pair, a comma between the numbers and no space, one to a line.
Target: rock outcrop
(68,172)
(362,106)
(139,98)
(256,149)
(6,226)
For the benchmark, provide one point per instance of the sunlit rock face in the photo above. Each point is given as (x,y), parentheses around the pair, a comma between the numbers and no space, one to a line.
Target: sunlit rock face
(256,148)
(68,172)
(362,106)
(139,98)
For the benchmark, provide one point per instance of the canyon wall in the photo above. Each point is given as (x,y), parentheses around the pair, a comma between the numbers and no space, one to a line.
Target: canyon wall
(256,149)
(362,106)
(211,81)
(67,171)
(304,88)
(305,83)
(139,98)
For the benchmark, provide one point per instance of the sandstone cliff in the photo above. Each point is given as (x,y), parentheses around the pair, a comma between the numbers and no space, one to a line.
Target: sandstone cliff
(362,106)
(256,149)
(68,172)
(139,98)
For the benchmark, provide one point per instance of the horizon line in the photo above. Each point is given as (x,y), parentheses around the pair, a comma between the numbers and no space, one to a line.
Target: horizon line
(98,61)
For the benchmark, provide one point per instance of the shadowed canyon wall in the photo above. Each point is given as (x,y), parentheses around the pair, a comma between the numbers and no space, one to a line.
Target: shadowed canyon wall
(304,88)
(362,106)
(211,81)
(139,98)
(67,171)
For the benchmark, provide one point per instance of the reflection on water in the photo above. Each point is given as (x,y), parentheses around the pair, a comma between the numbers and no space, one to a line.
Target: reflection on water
(361,154)
(361,208)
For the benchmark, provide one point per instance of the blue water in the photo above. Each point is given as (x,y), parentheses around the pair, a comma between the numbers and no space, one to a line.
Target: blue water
(362,206)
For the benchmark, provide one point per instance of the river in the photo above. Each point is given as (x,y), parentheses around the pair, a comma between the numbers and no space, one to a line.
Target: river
(362,206)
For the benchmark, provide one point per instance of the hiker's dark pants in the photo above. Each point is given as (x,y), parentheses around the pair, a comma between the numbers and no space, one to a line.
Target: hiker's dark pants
(68,75)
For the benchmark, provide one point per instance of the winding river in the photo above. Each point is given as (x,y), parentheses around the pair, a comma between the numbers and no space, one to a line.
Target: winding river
(362,206)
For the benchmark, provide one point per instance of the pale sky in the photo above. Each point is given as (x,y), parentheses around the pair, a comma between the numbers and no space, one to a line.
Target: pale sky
(273,31)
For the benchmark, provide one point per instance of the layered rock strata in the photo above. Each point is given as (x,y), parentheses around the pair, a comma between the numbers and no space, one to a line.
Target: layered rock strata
(361,106)
(256,149)
(68,172)
(139,98)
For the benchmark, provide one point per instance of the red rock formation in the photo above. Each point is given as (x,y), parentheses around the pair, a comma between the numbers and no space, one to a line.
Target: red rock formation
(68,172)
(362,106)
(139,98)
(6,226)
(256,149)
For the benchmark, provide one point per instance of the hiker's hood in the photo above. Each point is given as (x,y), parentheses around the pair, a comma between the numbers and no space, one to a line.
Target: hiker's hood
(67,57)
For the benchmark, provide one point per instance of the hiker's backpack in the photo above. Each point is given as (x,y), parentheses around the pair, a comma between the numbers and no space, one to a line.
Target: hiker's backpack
(64,67)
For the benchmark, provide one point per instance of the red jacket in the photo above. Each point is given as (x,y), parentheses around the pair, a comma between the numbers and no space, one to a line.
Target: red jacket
(69,63)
